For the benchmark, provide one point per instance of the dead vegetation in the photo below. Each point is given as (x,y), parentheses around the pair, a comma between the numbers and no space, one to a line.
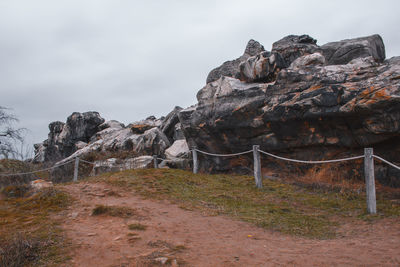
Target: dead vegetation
(115,211)
(290,208)
(28,235)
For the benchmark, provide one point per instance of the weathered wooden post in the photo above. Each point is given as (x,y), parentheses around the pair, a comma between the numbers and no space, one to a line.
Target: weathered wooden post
(76,167)
(257,166)
(370,179)
(155,161)
(195,161)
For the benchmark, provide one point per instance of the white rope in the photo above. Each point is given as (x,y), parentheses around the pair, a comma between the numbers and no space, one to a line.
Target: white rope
(311,161)
(32,172)
(224,155)
(85,161)
(387,162)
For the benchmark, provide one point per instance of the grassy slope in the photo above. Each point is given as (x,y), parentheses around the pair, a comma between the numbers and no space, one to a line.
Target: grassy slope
(28,236)
(286,208)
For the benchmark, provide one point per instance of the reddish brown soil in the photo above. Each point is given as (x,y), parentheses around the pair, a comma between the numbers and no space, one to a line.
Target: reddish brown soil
(189,238)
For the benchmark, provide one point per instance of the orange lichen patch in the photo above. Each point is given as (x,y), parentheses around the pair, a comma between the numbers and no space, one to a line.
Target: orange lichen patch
(293,100)
(382,94)
(332,140)
(201,125)
(315,87)
(236,109)
(226,138)
(140,128)
(218,120)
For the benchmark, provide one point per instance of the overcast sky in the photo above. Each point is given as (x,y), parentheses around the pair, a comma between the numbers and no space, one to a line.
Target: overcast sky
(131,59)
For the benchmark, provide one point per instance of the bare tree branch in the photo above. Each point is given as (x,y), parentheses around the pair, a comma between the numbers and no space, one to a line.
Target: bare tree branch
(9,135)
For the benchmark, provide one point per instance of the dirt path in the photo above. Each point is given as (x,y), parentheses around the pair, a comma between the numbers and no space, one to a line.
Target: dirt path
(188,238)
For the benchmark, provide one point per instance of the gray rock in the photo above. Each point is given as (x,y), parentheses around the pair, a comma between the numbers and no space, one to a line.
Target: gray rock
(114,165)
(344,51)
(179,149)
(261,68)
(80,127)
(178,132)
(294,46)
(308,60)
(309,112)
(80,145)
(151,142)
(111,124)
(183,164)
(168,124)
(231,68)
(140,127)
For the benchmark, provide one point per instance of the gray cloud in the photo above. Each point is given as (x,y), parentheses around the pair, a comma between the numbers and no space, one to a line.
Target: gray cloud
(131,59)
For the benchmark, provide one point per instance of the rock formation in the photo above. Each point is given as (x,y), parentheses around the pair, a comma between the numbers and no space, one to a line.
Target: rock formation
(342,96)
(300,99)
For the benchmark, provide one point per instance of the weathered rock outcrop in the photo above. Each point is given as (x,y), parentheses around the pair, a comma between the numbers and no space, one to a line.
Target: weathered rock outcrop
(80,127)
(343,52)
(300,100)
(315,106)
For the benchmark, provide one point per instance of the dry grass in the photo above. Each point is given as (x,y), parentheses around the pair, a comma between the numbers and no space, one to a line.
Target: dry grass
(288,208)
(115,211)
(20,250)
(29,236)
(137,226)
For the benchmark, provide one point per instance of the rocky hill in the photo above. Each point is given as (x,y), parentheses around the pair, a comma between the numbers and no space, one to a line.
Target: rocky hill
(300,100)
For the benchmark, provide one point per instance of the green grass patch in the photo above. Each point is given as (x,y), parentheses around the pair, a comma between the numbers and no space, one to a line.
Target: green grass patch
(290,209)
(137,226)
(28,235)
(115,211)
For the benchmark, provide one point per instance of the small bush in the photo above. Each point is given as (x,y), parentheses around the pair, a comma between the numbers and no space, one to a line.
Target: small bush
(137,226)
(15,191)
(115,211)
(19,251)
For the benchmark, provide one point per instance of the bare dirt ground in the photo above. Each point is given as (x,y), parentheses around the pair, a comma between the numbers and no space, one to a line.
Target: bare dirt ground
(190,238)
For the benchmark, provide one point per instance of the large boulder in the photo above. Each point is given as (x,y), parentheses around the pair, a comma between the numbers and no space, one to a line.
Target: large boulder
(231,68)
(311,111)
(140,127)
(168,125)
(80,127)
(342,52)
(294,46)
(179,149)
(261,68)
(151,142)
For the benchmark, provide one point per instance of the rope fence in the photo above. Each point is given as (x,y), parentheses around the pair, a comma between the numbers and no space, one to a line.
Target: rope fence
(368,167)
(36,171)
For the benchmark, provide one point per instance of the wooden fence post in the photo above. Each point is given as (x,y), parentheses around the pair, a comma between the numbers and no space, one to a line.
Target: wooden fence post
(257,166)
(76,167)
(195,161)
(370,179)
(155,161)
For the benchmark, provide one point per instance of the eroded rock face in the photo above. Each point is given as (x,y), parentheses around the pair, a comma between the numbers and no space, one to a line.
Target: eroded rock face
(311,108)
(85,133)
(344,51)
(294,46)
(80,127)
(261,68)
